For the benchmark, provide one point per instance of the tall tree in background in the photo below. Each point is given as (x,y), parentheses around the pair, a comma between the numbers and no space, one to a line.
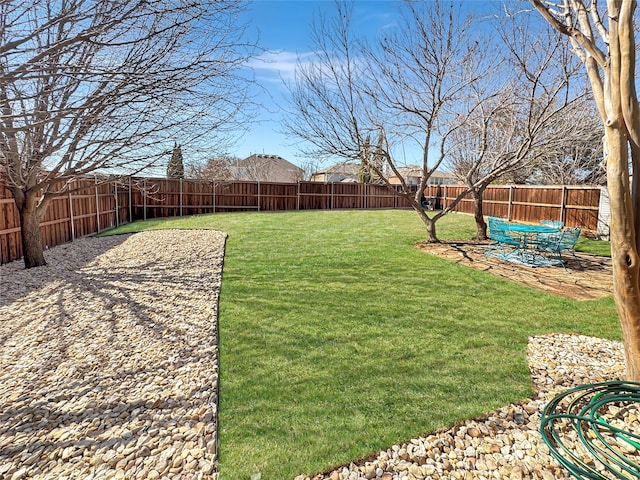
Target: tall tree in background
(175,168)
(537,114)
(97,85)
(602,36)
(371,161)
(404,87)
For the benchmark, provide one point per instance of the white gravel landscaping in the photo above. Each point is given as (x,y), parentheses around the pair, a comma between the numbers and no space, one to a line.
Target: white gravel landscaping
(109,361)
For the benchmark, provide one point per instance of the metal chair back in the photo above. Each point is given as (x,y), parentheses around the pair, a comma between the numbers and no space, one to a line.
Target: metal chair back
(569,238)
(499,232)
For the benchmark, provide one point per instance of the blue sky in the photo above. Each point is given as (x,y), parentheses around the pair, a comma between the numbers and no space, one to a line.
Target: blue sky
(283,28)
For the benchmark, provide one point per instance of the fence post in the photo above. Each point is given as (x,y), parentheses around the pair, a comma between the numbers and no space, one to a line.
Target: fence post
(95,178)
(258,196)
(130,202)
(73,228)
(563,204)
(115,197)
(214,196)
(364,193)
(144,199)
(298,196)
(180,197)
(331,198)
(510,202)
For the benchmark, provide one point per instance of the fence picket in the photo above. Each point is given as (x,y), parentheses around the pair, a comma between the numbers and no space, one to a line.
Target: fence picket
(97,205)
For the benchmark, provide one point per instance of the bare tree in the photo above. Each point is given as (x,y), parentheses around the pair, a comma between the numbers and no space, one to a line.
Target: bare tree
(309,166)
(105,86)
(580,159)
(327,102)
(218,168)
(603,38)
(403,88)
(536,117)
(254,168)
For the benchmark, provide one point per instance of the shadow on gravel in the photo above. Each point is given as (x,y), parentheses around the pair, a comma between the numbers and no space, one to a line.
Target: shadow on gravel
(109,358)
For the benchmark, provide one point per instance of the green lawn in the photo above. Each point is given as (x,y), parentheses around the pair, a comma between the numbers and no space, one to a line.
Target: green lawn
(339,338)
(595,247)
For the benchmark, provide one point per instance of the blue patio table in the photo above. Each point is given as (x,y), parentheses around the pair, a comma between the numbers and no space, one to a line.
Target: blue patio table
(526,252)
(530,232)
(521,227)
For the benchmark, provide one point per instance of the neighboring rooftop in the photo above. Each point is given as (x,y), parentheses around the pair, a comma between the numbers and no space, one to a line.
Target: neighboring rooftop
(261,167)
(413,173)
(339,172)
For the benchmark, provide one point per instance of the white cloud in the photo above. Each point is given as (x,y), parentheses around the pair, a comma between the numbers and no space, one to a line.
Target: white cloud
(278,65)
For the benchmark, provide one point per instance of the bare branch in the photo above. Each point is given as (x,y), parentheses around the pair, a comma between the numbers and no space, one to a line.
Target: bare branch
(403,88)
(585,41)
(108,86)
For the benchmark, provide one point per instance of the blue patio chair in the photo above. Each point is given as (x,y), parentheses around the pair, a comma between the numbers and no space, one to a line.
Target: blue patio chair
(557,242)
(505,243)
(500,234)
(552,223)
(548,241)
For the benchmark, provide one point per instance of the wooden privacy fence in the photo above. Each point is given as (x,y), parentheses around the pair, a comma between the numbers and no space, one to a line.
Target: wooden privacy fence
(94,206)
(158,198)
(575,206)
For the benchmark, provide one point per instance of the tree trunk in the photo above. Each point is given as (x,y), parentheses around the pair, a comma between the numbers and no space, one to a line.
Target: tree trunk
(32,249)
(624,254)
(431,232)
(429,224)
(481,225)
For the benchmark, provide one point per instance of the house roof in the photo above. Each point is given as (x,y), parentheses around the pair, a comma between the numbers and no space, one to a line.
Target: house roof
(345,168)
(416,171)
(408,171)
(261,167)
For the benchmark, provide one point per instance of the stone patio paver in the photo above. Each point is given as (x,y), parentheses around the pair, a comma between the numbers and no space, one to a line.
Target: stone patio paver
(588,277)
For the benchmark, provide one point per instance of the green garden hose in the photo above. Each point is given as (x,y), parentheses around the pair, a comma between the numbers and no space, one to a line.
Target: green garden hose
(579,417)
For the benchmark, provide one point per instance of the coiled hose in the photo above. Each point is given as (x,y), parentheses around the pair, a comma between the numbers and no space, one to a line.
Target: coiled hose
(580,430)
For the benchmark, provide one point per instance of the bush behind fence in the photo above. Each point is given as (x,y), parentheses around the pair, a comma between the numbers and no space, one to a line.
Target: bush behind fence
(94,206)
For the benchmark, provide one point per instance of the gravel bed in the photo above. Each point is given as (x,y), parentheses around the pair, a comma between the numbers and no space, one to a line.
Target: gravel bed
(505,444)
(109,361)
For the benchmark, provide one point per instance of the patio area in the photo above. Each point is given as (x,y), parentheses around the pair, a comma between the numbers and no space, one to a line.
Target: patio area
(586,276)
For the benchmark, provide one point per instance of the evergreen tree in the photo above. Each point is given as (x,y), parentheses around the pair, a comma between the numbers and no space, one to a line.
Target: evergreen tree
(364,174)
(371,162)
(175,169)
